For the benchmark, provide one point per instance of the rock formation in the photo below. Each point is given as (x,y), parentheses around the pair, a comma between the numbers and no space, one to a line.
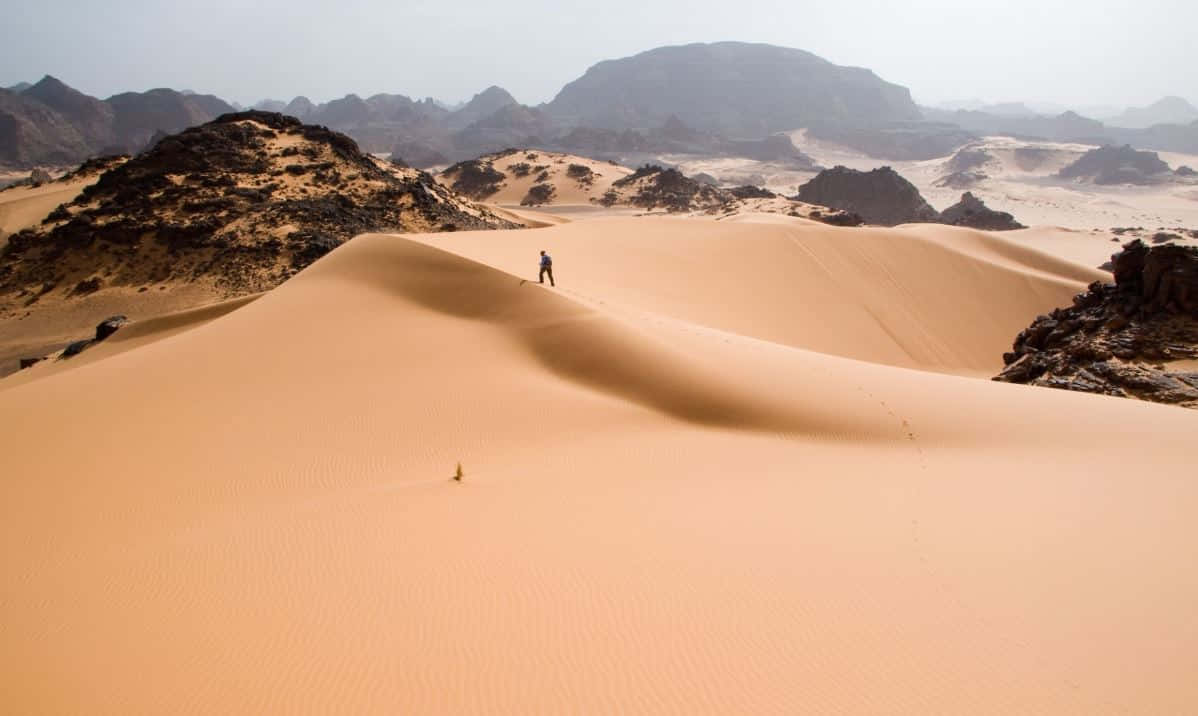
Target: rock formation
(238,204)
(1117,165)
(655,187)
(972,212)
(1121,339)
(733,88)
(880,196)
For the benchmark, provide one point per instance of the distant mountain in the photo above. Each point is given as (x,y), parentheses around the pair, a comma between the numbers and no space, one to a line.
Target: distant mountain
(733,88)
(1170,110)
(19,87)
(32,133)
(140,114)
(270,105)
(92,118)
(482,105)
(299,107)
(51,123)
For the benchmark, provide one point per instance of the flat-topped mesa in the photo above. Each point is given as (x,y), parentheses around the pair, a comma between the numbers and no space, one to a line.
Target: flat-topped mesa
(1118,165)
(880,196)
(1124,338)
(238,204)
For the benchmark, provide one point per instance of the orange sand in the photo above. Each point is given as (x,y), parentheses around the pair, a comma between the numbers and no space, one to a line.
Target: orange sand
(700,476)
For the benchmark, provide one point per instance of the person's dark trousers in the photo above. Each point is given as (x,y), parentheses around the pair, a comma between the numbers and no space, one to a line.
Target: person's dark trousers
(547,270)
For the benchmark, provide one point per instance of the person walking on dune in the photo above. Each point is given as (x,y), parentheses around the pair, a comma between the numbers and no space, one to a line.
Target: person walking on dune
(547,268)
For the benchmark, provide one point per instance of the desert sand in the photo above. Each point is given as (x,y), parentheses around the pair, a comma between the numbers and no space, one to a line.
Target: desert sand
(24,206)
(741,466)
(1027,189)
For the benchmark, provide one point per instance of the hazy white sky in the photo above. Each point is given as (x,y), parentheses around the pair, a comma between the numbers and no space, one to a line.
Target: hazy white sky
(1072,52)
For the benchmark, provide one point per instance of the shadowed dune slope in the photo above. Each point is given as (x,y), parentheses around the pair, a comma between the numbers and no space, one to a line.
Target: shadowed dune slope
(661,511)
(928,297)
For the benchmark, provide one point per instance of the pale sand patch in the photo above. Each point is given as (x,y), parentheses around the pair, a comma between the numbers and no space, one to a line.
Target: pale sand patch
(25,206)
(670,504)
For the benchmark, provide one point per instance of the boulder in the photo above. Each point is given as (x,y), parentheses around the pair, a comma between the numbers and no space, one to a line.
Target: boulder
(109,326)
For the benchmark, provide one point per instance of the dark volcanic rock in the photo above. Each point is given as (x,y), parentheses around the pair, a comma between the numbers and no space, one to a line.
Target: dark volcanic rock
(1117,165)
(475,178)
(238,204)
(109,326)
(972,212)
(653,186)
(880,196)
(1118,339)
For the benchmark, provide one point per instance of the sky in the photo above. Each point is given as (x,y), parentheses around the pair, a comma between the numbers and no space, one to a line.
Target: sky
(1073,53)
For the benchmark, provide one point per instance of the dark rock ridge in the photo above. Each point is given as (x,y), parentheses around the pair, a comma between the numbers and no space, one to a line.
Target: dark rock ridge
(238,204)
(1119,339)
(1118,165)
(972,212)
(880,196)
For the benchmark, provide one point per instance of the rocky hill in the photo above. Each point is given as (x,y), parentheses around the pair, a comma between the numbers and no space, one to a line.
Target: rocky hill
(1118,165)
(534,178)
(880,196)
(740,90)
(238,204)
(973,212)
(1135,338)
(49,123)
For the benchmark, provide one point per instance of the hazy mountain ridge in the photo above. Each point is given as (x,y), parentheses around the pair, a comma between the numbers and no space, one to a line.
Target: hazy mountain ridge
(52,123)
(718,99)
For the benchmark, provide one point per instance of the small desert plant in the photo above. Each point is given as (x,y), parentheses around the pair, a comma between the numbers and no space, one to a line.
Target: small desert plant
(458,474)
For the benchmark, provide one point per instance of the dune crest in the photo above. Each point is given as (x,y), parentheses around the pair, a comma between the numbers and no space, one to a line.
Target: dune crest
(687,486)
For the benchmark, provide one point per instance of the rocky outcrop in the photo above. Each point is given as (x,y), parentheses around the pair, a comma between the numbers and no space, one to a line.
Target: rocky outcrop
(237,205)
(972,212)
(475,178)
(879,197)
(104,329)
(1121,339)
(653,187)
(1117,165)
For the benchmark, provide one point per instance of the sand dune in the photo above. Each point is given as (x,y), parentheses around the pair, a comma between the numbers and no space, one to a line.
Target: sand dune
(680,495)
(930,297)
(25,206)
